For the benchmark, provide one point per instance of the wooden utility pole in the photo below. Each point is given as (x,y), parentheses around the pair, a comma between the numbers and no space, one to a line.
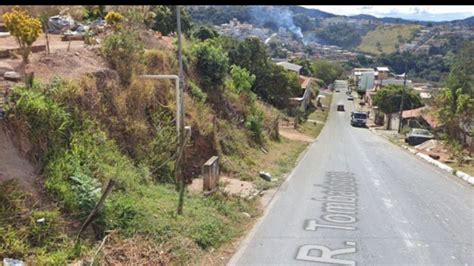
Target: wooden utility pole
(180,119)
(400,118)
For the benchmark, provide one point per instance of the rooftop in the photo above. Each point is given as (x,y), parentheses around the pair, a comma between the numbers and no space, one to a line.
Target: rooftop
(382,69)
(290,66)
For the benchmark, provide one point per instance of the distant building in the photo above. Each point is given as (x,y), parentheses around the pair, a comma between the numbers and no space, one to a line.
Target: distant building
(382,73)
(291,67)
(357,72)
(366,81)
(406,47)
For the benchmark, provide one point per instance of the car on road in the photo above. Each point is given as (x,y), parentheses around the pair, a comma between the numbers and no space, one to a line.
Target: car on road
(359,119)
(417,136)
(350,98)
(337,90)
(340,107)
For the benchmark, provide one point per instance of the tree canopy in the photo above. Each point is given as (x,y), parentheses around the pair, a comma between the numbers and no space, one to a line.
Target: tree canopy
(389,97)
(326,71)
(165,20)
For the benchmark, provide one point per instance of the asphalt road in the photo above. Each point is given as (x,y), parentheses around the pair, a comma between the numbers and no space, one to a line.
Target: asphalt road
(357,199)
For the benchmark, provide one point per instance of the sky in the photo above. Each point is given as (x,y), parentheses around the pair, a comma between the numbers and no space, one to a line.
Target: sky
(425,12)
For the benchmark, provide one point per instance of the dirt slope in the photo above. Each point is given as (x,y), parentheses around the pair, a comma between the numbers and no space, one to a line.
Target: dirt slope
(13,166)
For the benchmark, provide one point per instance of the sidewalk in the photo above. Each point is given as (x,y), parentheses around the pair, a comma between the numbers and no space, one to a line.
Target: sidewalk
(397,139)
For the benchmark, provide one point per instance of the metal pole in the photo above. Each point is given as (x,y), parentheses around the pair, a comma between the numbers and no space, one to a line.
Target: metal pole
(400,118)
(180,118)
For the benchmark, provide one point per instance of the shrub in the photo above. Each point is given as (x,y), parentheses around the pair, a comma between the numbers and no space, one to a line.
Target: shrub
(24,28)
(49,124)
(124,51)
(114,19)
(196,92)
(254,122)
(211,64)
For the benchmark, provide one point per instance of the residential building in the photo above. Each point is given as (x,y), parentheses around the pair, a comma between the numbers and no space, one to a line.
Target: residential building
(291,67)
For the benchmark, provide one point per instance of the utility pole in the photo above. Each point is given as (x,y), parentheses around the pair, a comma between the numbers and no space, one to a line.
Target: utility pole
(180,119)
(400,118)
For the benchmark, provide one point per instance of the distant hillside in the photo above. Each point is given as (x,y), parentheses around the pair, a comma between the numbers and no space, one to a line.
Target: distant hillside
(313,13)
(385,39)
(467,21)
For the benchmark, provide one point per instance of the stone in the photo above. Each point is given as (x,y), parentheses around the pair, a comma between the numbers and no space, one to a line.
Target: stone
(12,76)
(12,262)
(246,215)
(265,176)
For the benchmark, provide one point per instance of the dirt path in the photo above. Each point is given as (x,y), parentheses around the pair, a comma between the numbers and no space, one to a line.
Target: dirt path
(13,166)
(231,185)
(293,134)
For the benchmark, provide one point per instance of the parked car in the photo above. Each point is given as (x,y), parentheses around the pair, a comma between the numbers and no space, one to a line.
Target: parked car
(359,119)
(417,136)
(350,98)
(340,107)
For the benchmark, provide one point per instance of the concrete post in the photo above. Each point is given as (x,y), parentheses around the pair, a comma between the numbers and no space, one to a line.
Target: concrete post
(210,173)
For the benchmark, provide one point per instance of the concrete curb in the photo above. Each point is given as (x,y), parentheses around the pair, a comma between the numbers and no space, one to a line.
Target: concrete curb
(465,177)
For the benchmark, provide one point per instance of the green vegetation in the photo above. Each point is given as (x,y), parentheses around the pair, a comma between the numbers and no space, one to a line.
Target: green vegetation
(164,19)
(455,102)
(326,71)
(388,99)
(124,52)
(273,84)
(24,236)
(25,28)
(384,39)
(213,65)
(341,34)
(203,33)
(112,125)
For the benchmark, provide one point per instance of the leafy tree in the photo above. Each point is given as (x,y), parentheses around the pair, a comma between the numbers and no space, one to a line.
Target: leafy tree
(250,54)
(456,102)
(211,65)
(306,64)
(165,20)
(203,33)
(242,82)
(273,83)
(24,28)
(326,71)
(388,100)
(241,79)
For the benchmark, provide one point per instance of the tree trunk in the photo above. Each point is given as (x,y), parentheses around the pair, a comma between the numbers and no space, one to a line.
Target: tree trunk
(389,121)
(25,54)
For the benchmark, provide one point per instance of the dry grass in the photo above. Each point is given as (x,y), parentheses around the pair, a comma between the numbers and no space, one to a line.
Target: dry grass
(388,38)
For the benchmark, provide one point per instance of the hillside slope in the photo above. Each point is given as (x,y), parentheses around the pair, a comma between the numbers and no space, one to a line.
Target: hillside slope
(385,39)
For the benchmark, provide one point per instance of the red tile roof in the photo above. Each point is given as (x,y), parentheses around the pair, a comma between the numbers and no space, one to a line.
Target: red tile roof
(304,81)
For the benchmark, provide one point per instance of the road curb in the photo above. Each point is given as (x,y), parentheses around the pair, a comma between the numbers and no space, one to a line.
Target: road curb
(465,177)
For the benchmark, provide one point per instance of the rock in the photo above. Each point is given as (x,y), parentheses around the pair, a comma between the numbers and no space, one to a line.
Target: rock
(265,176)
(246,215)
(4,67)
(12,262)
(12,76)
